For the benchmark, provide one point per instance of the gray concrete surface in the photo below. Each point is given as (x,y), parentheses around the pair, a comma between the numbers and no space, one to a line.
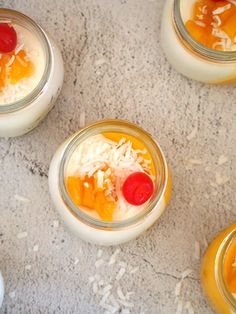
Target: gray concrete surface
(115,68)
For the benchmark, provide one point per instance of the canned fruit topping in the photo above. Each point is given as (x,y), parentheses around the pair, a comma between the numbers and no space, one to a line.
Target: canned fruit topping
(213,24)
(8,38)
(100,171)
(138,188)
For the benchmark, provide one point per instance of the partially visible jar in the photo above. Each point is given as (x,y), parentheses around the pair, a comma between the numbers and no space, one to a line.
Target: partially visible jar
(21,115)
(90,227)
(1,289)
(218,272)
(188,56)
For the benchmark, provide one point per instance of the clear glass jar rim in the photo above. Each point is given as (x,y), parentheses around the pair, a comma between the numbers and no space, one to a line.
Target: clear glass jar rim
(80,214)
(220,56)
(219,264)
(28,99)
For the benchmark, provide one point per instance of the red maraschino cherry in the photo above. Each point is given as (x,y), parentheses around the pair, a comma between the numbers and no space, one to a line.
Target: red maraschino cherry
(8,38)
(137,188)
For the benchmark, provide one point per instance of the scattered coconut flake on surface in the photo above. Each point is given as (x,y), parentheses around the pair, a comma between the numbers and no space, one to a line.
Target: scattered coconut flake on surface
(126,303)
(36,248)
(105,297)
(22,235)
(21,198)
(91,279)
(213,184)
(192,134)
(95,288)
(105,289)
(97,277)
(113,257)
(82,120)
(99,254)
(99,263)
(194,161)
(191,203)
(197,250)
(55,223)
(188,306)
(76,261)
(134,270)
(178,287)
(128,294)
(114,302)
(12,294)
(108,307)
(221,179)
(120,294)
(222,160)
(27,267)
(179,307)
(122,264)
(99,62)
(120,273)
(186,273)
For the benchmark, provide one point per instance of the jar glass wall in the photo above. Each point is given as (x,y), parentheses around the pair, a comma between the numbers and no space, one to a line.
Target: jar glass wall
(188,56)
(25,104)
(217,265)
(98,230)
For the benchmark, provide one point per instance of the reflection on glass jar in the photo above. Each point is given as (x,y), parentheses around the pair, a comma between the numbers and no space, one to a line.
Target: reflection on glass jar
(198,39)
(218,273)
(31,74)
(110,182)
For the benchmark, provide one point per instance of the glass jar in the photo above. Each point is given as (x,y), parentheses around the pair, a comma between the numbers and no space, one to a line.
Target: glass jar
(212,272)
(96,230)
(22,116)
(1,289)
(188,56)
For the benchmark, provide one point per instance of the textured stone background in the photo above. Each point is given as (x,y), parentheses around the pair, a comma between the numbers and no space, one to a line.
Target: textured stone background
(115,68)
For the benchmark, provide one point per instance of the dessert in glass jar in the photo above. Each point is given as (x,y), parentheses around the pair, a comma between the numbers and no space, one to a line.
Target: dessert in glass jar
(110,182)
(218,273)
(199,39)
(31,73)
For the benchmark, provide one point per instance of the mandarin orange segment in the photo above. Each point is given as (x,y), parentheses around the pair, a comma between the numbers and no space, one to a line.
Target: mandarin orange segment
(20,68)
(204,21)
(88,193)
(3,73)
(230,27)
(197,32)
(104,207)
(85,193)
(232,285)
(75,189)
